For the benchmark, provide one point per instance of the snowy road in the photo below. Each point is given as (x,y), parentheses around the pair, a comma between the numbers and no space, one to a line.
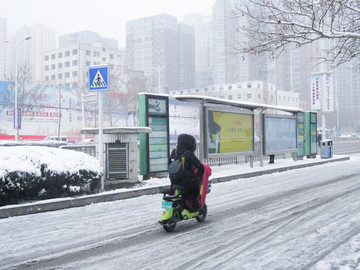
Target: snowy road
(299,219)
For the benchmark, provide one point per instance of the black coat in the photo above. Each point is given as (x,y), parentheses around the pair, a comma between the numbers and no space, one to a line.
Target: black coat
(185,148)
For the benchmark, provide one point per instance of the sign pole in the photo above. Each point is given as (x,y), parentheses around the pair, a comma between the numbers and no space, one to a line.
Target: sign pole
(99,81)
(101,145)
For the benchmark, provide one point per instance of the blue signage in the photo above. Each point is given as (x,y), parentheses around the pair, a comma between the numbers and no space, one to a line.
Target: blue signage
(98,78)
(18,118)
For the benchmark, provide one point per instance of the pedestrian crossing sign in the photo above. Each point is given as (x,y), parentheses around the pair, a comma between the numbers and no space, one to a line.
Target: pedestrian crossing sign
(98,78)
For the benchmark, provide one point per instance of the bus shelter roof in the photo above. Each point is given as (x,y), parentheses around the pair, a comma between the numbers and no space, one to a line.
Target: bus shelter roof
(240,104)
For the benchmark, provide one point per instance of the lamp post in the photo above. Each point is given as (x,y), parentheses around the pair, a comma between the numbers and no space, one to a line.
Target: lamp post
(16,116)
(158,68)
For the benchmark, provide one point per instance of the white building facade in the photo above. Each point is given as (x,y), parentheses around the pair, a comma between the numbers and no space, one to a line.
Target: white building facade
(68,66)
(252,91)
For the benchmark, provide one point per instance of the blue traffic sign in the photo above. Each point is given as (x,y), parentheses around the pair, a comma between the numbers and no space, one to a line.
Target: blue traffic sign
(98,78)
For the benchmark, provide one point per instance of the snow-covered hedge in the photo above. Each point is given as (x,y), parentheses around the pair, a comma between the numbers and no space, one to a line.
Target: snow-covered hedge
(36,172)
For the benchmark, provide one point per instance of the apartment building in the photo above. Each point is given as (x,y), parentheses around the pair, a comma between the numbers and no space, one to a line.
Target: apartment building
(68,66)
(163,50)
(252,91)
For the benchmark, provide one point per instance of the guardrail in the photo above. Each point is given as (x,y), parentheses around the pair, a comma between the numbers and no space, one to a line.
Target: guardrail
(87,149)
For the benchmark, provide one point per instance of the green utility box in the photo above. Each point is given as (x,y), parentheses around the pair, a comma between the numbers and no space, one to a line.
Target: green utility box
(310,134)
(154,147)
(300,135)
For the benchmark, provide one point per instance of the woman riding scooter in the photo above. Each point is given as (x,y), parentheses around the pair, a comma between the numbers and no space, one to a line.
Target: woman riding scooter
(193,170)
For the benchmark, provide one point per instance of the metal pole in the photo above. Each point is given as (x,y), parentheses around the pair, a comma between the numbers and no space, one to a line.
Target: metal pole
(16,102)
(83,114)
(16,116)
(159,80)
(101,145)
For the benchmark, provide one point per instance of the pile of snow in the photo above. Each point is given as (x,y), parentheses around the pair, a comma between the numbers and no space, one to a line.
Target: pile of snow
(29,159)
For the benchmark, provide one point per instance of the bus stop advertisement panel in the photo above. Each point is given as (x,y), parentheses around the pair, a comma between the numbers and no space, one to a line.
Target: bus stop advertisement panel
(280,133)
(229,132)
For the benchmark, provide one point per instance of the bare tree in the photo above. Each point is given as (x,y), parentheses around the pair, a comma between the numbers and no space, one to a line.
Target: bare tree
(29,93)
(271,24)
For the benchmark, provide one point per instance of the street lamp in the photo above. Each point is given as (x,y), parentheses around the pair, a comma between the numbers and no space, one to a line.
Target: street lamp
(16,116)
(158,68)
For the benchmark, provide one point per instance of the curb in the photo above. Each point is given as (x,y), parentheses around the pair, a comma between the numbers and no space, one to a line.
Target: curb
(45,206)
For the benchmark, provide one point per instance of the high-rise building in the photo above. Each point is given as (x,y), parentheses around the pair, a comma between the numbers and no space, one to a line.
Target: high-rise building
(186,53)
(68,66)
(85,37)
(229,66)
(29,46)
(203,48)
(152,46)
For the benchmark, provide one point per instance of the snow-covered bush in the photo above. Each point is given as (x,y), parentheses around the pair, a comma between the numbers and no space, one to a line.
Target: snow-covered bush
(34,173)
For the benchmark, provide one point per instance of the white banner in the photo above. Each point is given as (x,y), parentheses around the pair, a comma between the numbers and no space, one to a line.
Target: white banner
(327,93)
(322,92)
(315,92)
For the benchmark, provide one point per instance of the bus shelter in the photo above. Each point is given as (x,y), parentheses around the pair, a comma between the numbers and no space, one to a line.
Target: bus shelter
(233,128)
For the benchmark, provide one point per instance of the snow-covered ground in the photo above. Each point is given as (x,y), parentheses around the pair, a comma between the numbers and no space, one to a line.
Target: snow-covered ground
(300,219)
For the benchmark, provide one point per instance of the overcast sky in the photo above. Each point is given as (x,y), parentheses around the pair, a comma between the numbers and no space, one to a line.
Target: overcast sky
(106,17)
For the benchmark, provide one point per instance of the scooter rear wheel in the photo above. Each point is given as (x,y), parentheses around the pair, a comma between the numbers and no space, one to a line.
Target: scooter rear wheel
(169,227)
(202,214)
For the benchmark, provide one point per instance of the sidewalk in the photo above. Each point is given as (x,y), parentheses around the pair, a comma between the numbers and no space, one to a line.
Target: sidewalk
(221,173)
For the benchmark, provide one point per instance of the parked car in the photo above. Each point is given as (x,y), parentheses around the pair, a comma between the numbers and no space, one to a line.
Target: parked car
(61,139)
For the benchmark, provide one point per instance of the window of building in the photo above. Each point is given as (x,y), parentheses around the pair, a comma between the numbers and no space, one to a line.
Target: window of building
(249,85)
(104,49)
(259,96)
(230,97)
(96,54)
(60,76)
(74,85)
(88,52)
(60,65)
(239,96)
(67,53)
(74,62)
(67,74)
(104,59)
(60,54)
(88,63)
(46,68)
(229,87)
(67,64)
(249,96)
(46,58)
(53,66)
(53,56)
(271,98)
(111,56)
(239,86)
(74,73)
(52,77)
(46,78)
(74,52)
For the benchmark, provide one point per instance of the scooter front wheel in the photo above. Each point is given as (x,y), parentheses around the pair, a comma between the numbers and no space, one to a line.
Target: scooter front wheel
(202,214)
(169,227)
